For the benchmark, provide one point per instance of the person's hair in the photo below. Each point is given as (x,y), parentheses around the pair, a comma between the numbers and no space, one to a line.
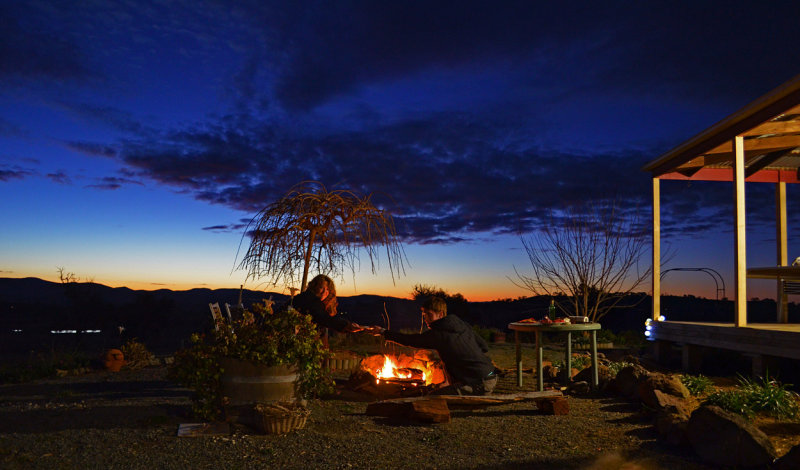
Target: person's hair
(330,302)
(435,304)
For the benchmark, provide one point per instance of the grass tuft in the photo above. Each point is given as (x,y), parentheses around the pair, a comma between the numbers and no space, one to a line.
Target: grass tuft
(697,384)
(760,396)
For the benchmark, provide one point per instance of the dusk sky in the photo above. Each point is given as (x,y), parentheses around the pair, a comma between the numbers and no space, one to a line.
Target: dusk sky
(138,137)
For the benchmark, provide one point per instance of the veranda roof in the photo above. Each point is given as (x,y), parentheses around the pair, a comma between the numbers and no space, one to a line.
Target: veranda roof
(770,127)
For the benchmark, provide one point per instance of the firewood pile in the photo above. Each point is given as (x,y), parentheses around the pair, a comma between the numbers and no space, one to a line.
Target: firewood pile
(395,387)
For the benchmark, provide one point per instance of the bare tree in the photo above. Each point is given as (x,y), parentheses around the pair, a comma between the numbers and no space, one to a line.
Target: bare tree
(313,227)
(591,256)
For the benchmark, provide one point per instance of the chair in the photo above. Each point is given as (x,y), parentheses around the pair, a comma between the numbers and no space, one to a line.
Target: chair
(228,311)
(216,314)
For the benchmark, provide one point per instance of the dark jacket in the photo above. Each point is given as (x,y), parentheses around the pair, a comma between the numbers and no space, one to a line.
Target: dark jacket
(310,304)
(462,351)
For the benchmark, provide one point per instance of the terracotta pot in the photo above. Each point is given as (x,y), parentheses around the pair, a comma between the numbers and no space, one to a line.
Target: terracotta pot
(113,360)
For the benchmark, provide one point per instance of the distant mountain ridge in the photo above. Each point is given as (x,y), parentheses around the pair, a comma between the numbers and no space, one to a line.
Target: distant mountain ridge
(162,316)
(164,319)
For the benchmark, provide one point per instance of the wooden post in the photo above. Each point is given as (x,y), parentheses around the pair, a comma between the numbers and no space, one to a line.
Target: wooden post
(780,239)
(740,263)
(691,358)
(519,358)
(568,360)
(595,375)
(539,371)
(656,249)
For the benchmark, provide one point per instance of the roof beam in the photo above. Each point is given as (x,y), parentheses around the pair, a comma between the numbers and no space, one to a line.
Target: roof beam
(765,144)
(774,127)
(726,174)
(765,109)
(764,162)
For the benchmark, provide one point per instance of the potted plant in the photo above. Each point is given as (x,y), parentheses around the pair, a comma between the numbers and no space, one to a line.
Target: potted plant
(284,343)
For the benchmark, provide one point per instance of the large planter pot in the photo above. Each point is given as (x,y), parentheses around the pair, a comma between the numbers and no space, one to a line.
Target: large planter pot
(245,383)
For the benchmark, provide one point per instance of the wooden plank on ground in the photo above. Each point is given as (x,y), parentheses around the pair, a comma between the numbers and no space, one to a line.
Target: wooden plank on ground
(430,410)
(468,401)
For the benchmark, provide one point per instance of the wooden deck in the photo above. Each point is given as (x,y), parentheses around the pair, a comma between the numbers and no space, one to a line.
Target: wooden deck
(758,340)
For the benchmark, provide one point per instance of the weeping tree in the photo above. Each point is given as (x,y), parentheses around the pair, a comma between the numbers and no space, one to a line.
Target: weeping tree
(589,255)
(311,227)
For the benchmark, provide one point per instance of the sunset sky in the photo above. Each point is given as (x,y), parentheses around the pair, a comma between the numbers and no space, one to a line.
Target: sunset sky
(138,137)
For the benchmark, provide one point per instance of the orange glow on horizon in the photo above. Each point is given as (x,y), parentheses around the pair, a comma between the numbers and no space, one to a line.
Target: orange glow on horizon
(473,291)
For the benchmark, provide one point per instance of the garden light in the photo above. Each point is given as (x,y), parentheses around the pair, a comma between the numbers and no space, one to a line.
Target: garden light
(647,333)
(662,318)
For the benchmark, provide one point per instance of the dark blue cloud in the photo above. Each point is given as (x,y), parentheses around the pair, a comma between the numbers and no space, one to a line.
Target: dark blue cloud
(59,177)
(10,172)
(112,183)
(29,51)
(445,111)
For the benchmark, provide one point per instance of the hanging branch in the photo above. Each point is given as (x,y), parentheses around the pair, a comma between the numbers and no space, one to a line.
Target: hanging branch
(311,227)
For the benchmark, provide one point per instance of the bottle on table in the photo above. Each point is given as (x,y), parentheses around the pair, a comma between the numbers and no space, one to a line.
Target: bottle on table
(551,310)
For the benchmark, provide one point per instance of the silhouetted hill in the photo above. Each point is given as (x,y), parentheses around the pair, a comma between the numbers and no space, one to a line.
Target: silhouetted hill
(164,319)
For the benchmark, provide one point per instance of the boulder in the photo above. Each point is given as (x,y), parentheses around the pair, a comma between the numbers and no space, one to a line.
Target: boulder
(627,380)
(549,372)
(790,460)
(579,388)
(671,423)
(660,390)
(723,438)
(603,375)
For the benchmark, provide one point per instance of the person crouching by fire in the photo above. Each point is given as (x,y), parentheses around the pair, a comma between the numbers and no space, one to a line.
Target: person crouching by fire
(463,352)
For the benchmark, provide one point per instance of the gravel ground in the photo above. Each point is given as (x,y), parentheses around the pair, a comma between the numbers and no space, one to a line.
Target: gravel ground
(129,420)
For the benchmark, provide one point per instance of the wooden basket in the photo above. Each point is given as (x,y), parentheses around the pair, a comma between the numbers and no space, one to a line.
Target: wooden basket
(280,418)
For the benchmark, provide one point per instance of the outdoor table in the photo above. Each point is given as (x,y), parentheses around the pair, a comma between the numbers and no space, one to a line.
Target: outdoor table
(539,328)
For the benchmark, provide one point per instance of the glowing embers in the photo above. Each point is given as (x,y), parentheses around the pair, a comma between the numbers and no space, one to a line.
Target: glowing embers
(399,375)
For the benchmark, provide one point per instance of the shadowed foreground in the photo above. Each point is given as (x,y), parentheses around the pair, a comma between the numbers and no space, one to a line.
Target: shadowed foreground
(129,420)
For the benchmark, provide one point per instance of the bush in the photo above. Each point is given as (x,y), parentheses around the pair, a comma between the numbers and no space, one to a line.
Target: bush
(43,365)
(485,333)
(697,385)
(581,361)
(765,396)
(136,354)
(734,401)
(615,367)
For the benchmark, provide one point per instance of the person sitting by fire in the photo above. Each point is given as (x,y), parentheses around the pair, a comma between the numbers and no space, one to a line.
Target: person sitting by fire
(319,301)
(463,352)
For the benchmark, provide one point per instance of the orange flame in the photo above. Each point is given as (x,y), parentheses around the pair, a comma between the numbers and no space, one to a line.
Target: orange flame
(385,366)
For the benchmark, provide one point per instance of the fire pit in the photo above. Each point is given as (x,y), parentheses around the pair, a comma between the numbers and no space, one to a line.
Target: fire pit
(391,375)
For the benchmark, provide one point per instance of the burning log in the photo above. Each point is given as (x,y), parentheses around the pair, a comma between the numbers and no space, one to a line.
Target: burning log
(398,376)
(362,381)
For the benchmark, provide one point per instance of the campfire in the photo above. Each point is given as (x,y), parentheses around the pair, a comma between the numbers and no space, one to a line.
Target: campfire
(399,375)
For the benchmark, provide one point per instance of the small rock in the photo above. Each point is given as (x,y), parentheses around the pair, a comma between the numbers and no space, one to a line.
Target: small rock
(549,372)
(603,375)
(579,388)
(790,460)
